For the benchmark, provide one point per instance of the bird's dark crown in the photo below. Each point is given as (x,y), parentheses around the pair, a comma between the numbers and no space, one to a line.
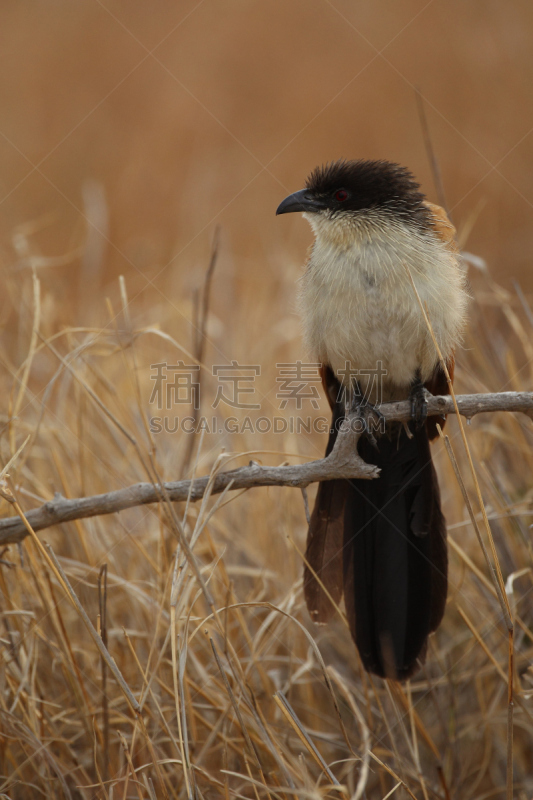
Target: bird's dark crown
(356,186)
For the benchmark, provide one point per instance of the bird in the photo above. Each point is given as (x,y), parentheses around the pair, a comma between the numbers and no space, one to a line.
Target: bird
(382,542)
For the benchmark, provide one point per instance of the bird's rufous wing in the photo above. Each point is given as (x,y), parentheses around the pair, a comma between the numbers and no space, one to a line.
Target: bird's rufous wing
(323,573)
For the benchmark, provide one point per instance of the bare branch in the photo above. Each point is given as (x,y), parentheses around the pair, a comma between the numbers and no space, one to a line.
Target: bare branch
(343,462)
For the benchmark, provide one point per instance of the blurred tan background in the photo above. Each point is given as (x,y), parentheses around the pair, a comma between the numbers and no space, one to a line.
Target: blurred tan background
(159,120)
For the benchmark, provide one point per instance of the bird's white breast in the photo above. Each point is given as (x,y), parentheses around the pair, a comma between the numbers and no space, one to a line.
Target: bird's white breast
(359,307)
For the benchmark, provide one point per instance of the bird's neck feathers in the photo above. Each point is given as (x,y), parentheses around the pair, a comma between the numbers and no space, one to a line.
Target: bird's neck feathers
(375,241)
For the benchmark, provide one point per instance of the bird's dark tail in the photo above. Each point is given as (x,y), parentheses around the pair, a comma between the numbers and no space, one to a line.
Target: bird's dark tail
(395,556)
(394,559)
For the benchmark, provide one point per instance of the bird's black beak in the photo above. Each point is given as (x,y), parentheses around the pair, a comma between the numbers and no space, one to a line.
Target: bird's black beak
(299,201)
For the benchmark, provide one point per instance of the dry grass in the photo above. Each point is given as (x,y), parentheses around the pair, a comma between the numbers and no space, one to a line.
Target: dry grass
(240,695)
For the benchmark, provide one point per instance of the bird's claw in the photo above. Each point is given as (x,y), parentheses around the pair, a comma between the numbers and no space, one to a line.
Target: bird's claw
(368,414)
(419,404)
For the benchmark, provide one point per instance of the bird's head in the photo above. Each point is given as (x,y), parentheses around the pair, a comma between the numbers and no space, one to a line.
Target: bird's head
(344,193)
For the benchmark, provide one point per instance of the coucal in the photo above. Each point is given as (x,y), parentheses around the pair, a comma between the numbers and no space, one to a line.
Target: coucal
(381,542)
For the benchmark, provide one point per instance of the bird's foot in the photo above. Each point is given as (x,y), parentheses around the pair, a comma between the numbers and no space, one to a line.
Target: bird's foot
(372,419)
(419,404)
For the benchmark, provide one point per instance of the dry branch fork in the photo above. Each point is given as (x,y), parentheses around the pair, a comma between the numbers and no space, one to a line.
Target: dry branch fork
(343,462)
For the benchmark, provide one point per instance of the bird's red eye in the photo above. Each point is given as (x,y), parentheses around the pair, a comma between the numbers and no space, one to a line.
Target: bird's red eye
(341,195)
